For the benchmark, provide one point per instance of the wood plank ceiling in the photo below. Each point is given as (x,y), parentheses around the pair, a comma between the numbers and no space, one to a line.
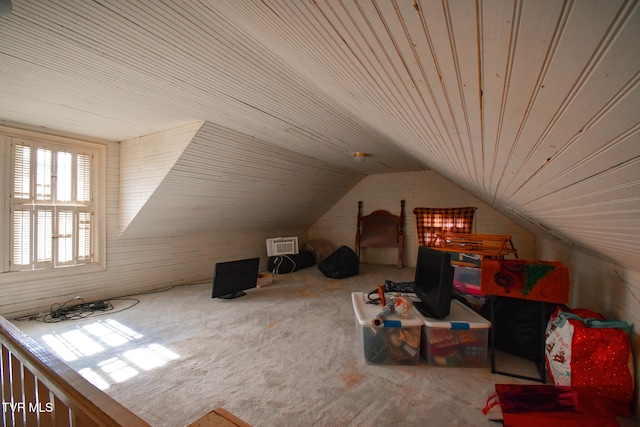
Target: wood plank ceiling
(531,105)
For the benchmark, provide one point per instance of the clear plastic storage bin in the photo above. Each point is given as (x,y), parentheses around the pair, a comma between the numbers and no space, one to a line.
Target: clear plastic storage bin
(461,339)
(395,342)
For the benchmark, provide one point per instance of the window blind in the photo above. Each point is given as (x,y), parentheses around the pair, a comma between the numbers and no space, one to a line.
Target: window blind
(52,206)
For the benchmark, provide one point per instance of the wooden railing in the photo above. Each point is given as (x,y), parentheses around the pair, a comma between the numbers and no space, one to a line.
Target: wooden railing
(38,389)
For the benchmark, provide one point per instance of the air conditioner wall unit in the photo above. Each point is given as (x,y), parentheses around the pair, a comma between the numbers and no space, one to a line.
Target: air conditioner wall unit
(282,246)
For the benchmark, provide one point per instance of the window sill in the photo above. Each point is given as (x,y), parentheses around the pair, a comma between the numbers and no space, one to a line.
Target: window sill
(31,275)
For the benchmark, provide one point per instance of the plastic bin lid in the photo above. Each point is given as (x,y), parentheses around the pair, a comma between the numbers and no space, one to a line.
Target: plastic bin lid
(460,317)
(366,313)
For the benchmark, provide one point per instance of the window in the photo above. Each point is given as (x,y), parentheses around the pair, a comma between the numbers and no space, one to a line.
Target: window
(434,221)
(53,218)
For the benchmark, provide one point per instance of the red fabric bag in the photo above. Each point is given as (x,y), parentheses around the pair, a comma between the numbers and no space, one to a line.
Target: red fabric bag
(589,353)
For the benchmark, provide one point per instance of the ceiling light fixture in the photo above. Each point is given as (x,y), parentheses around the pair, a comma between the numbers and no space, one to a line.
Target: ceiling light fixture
(360,156)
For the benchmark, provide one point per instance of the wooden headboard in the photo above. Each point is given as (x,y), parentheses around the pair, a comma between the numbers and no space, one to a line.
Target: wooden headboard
(381,229)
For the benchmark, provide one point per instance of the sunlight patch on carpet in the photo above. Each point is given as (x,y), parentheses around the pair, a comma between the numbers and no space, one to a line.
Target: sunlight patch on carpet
(94,378)
(118,369)
(78,343)
(150,357)
(73,344)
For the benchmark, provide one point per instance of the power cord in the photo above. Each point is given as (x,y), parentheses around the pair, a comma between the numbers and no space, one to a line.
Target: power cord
(278,263)
(80,310)
(406,287)
(65,311)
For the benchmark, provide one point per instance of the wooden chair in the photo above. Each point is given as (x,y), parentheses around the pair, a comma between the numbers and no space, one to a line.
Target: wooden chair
(381,229)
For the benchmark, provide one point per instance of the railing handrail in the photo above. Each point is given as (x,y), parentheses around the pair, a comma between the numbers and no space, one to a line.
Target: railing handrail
(80,396)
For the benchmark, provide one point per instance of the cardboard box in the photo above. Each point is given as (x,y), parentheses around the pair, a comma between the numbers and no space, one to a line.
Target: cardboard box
(264,279)
(395,342)
(460,340)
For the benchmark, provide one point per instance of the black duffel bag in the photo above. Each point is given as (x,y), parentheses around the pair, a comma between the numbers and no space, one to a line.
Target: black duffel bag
(343,262)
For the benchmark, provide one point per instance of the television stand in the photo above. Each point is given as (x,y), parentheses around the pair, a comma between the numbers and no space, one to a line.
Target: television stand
(233,295)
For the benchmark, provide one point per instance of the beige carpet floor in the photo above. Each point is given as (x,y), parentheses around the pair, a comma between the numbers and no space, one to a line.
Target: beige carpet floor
(283,355)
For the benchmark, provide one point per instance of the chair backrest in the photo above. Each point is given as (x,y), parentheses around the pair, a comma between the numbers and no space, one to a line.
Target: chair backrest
(381,229)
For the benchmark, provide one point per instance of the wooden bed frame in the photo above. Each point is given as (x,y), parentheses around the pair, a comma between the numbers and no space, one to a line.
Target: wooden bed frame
(381,229)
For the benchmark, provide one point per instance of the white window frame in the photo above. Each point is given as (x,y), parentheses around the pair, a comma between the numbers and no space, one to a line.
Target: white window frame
(94,207)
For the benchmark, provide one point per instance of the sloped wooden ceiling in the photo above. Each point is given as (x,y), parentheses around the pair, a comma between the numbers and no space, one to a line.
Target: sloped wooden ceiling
(530,105)
(227,180)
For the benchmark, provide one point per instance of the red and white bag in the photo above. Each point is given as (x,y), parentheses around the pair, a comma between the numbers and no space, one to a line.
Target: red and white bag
(589,353)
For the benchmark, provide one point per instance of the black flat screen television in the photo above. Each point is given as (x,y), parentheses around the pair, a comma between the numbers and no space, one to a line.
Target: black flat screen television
(231,278)
(434,282)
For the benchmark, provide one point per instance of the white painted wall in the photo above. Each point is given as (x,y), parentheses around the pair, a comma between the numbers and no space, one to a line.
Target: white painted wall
(223,180)
(144,162)
(418,189)
(133,265)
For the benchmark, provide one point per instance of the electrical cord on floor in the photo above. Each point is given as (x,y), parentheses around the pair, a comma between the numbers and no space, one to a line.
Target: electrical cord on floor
(66,311)
(278,263)
(80,310)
